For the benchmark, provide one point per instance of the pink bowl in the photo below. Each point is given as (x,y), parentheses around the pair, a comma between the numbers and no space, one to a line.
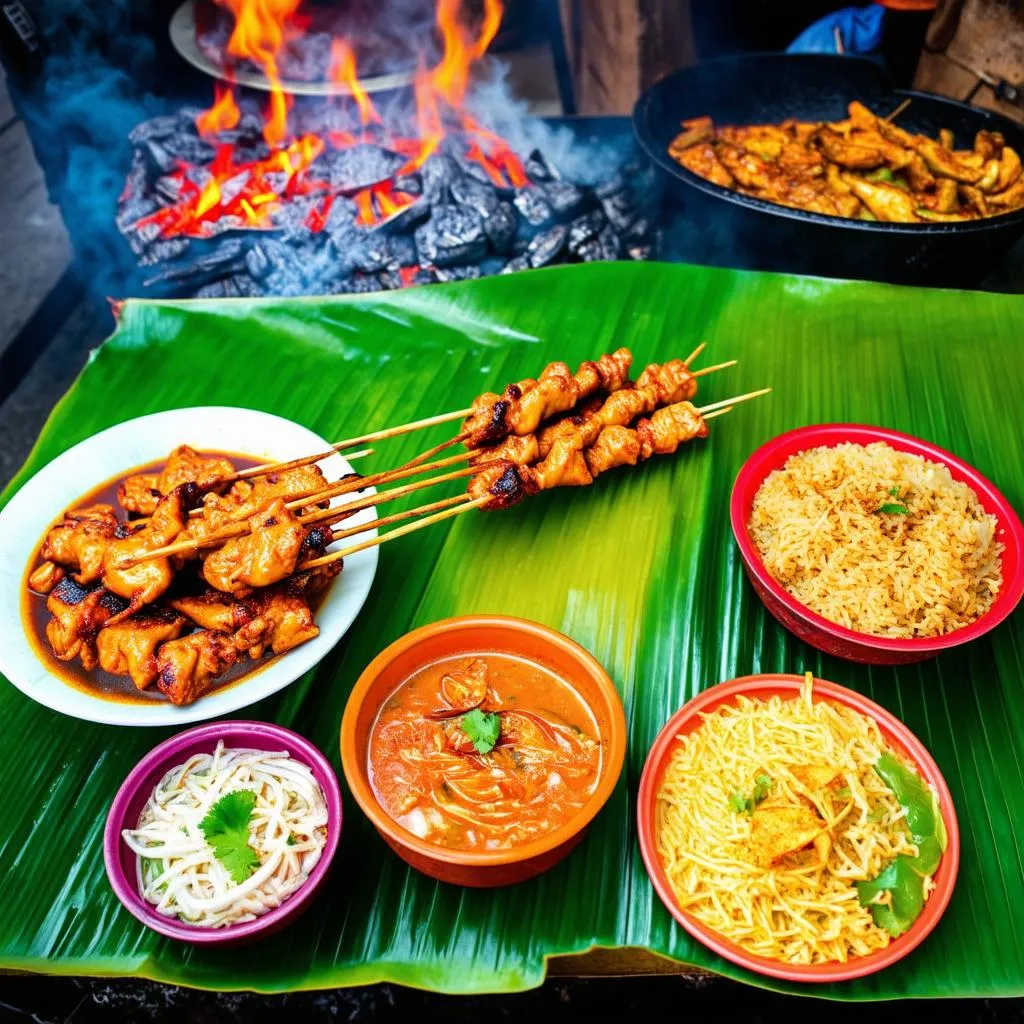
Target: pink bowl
(688,719)
(829,636)
(122,864)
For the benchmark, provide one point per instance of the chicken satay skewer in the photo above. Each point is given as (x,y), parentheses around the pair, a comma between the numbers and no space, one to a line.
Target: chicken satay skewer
(198,512)
(680,428)
(324,516)
(430,452)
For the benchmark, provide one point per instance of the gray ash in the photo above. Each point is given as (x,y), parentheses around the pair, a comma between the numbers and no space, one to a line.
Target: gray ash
(364,217)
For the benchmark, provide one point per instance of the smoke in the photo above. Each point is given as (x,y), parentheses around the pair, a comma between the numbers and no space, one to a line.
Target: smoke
(90,93)
(109,66)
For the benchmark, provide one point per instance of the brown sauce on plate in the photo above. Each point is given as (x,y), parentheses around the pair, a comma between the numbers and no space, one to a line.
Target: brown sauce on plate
(98,683)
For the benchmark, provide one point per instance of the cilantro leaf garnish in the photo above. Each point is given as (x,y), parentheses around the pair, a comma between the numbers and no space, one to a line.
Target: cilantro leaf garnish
(893,508)
(226,829)
(482,728)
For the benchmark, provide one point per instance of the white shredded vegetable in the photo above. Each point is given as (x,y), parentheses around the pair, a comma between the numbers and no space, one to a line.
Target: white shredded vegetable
(178,871)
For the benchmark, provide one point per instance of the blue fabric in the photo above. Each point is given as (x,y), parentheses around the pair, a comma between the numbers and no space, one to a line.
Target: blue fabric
(859,27)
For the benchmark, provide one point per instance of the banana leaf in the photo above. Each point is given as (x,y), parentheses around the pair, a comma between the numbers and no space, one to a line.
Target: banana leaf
(641,569)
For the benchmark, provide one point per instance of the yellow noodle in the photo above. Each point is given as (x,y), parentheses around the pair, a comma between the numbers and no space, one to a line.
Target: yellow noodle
(806,914)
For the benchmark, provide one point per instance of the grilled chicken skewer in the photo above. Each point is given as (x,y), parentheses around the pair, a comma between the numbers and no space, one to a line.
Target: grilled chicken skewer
(662,434)
(521,407)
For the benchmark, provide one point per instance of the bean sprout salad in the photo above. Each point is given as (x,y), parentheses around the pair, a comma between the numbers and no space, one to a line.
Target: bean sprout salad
(212,868)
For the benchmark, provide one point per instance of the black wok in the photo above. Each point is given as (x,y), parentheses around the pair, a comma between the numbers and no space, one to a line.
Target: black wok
(723,227)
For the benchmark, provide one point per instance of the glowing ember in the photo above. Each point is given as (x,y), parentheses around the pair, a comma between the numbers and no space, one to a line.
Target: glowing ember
(252,193)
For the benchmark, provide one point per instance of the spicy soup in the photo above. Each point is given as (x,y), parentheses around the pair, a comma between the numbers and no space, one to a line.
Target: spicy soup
(484,752)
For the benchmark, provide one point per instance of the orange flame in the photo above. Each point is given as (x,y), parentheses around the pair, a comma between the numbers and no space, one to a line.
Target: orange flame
(250,194)
(261,28)
(222,116)
(451,76)
(343,72)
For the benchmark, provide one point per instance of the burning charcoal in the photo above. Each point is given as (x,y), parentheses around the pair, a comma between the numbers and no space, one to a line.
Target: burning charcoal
(390,280)
(223,289)
(245,286)
(564,197)
(424,275)
(584,228)
(589,251)
(436,173)
(188,146)
(159,158)
(620,210)
(232,188)
(640,251)
(638,230)
(410,184)
(519,263)
(132,211)
(530,202)
(606,189)
(169,188)
(407,218)
(257,262)
(500,227)
(470,192)
(610,244)
(403,251)
(371,254)
(139,239)
(538,168)
(454,234)
(360,284)
(160,252)
(153,129)
(468,272)
(224,259)
(546,246)
(358,166)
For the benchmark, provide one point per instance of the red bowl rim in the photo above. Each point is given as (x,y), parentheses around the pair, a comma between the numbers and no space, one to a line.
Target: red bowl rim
(895,732)
(829,435)
(171,752)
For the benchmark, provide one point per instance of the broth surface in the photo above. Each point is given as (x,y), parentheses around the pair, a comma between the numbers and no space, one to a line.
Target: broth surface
(431,778)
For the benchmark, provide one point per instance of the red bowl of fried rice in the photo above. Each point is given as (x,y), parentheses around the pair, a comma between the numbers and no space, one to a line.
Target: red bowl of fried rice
(839,640)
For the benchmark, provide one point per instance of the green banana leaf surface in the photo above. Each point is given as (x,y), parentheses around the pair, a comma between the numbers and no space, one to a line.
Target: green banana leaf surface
(641,569)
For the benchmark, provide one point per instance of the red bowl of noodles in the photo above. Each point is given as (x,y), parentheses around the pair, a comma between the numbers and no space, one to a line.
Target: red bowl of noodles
(897,737)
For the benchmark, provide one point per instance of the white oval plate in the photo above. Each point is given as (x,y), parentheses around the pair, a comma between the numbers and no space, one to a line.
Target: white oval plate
(62,483)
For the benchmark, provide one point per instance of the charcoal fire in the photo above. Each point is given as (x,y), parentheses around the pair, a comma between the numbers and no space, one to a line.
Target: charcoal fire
(328,196)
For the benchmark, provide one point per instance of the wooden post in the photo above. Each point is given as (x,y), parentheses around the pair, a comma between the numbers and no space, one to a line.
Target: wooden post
(620,47)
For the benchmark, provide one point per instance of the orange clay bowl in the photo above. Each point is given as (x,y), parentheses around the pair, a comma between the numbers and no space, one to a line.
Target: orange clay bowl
(475,634)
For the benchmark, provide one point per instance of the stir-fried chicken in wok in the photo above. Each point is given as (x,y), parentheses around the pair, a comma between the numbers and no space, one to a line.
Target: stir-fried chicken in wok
(864,167)
(181,621)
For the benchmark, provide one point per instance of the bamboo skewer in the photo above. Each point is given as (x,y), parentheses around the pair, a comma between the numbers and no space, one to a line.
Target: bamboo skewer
(361,483)
(899,110)
(412,513)
(324,515)
(336,556)
(696,352)
(736,400)
(715,368)
(351,442)
(463,503)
